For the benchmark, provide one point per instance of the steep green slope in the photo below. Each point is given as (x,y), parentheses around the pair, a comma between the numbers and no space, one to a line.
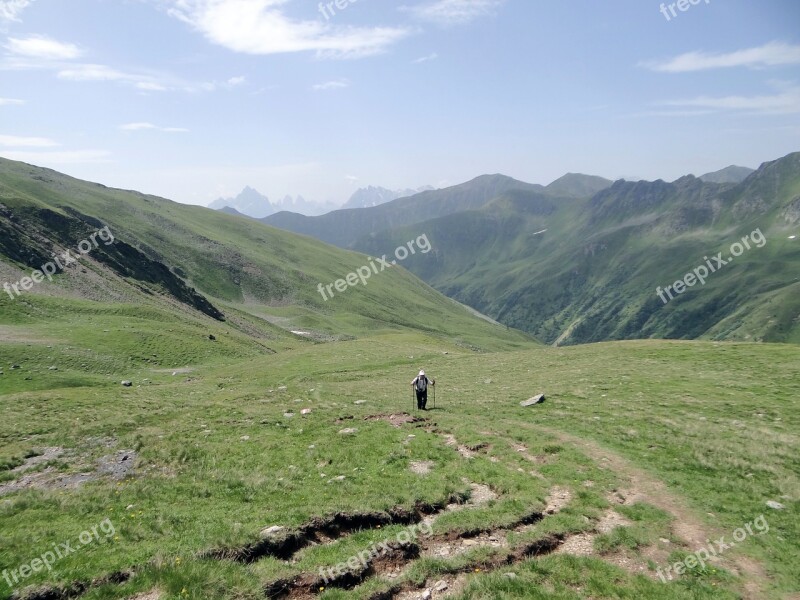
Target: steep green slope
(588,269)
(240,266)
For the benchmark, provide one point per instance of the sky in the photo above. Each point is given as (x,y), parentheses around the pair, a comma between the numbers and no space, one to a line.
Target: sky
(195,99)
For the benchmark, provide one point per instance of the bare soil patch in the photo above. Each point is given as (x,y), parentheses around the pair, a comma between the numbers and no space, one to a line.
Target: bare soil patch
(115,466)
(421,467)
(396,420)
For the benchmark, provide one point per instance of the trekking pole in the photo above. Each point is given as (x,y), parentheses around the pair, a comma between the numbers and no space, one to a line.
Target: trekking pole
(412,399)
(434,396)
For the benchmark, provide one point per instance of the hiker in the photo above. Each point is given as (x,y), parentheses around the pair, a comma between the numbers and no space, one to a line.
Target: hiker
(420,384)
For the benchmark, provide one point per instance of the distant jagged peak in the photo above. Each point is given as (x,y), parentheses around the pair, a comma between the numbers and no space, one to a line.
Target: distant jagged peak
(372,195)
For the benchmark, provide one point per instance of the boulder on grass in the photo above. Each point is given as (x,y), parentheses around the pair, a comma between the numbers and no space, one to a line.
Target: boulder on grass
(531,401)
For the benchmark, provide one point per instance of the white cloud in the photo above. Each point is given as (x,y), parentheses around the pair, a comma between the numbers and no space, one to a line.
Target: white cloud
(42,47)
(150,86)
(11,9)
(145,126)
(87,72)
(143,80)
(90,72)
(234,81)
(26,142)
(67,157)
(453,12)
(769,55)
(423,59)
(331,85)
(11,102)
(261,27)
(785,102)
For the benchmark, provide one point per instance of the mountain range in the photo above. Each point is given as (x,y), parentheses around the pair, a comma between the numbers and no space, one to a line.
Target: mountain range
(375,196)
(175,267)
(581,260)
(251,203)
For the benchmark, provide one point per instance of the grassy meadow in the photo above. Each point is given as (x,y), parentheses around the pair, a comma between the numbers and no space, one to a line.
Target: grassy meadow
(659,433)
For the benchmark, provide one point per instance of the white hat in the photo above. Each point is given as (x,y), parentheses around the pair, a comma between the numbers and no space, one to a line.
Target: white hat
(421,373)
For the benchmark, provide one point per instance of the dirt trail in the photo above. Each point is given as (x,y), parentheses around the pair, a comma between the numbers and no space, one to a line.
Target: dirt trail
(284,544)
(686,525)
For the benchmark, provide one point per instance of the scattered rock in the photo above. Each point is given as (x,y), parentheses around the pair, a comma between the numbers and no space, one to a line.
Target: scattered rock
(487,381)
(52,368)
(305,411)
(127,383)
(348,431)
(282,388)
(272,531)
(245,438)
(510,575)
(440,585)
(15,367)
(212,338)
(531,401)
(775,505)
(360,402)
(426,595)
(288,415)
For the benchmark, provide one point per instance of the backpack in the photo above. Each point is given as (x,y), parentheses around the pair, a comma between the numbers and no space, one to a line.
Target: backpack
(422,384)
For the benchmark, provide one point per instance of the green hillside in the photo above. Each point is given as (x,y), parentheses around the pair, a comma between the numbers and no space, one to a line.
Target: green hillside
(191,261)
(588,269)
(243,458)
(343,227)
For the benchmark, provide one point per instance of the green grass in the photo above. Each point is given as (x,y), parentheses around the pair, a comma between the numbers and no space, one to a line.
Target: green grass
(686,412)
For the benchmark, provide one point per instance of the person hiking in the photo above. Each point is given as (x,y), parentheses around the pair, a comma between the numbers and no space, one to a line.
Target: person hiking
(420,384)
